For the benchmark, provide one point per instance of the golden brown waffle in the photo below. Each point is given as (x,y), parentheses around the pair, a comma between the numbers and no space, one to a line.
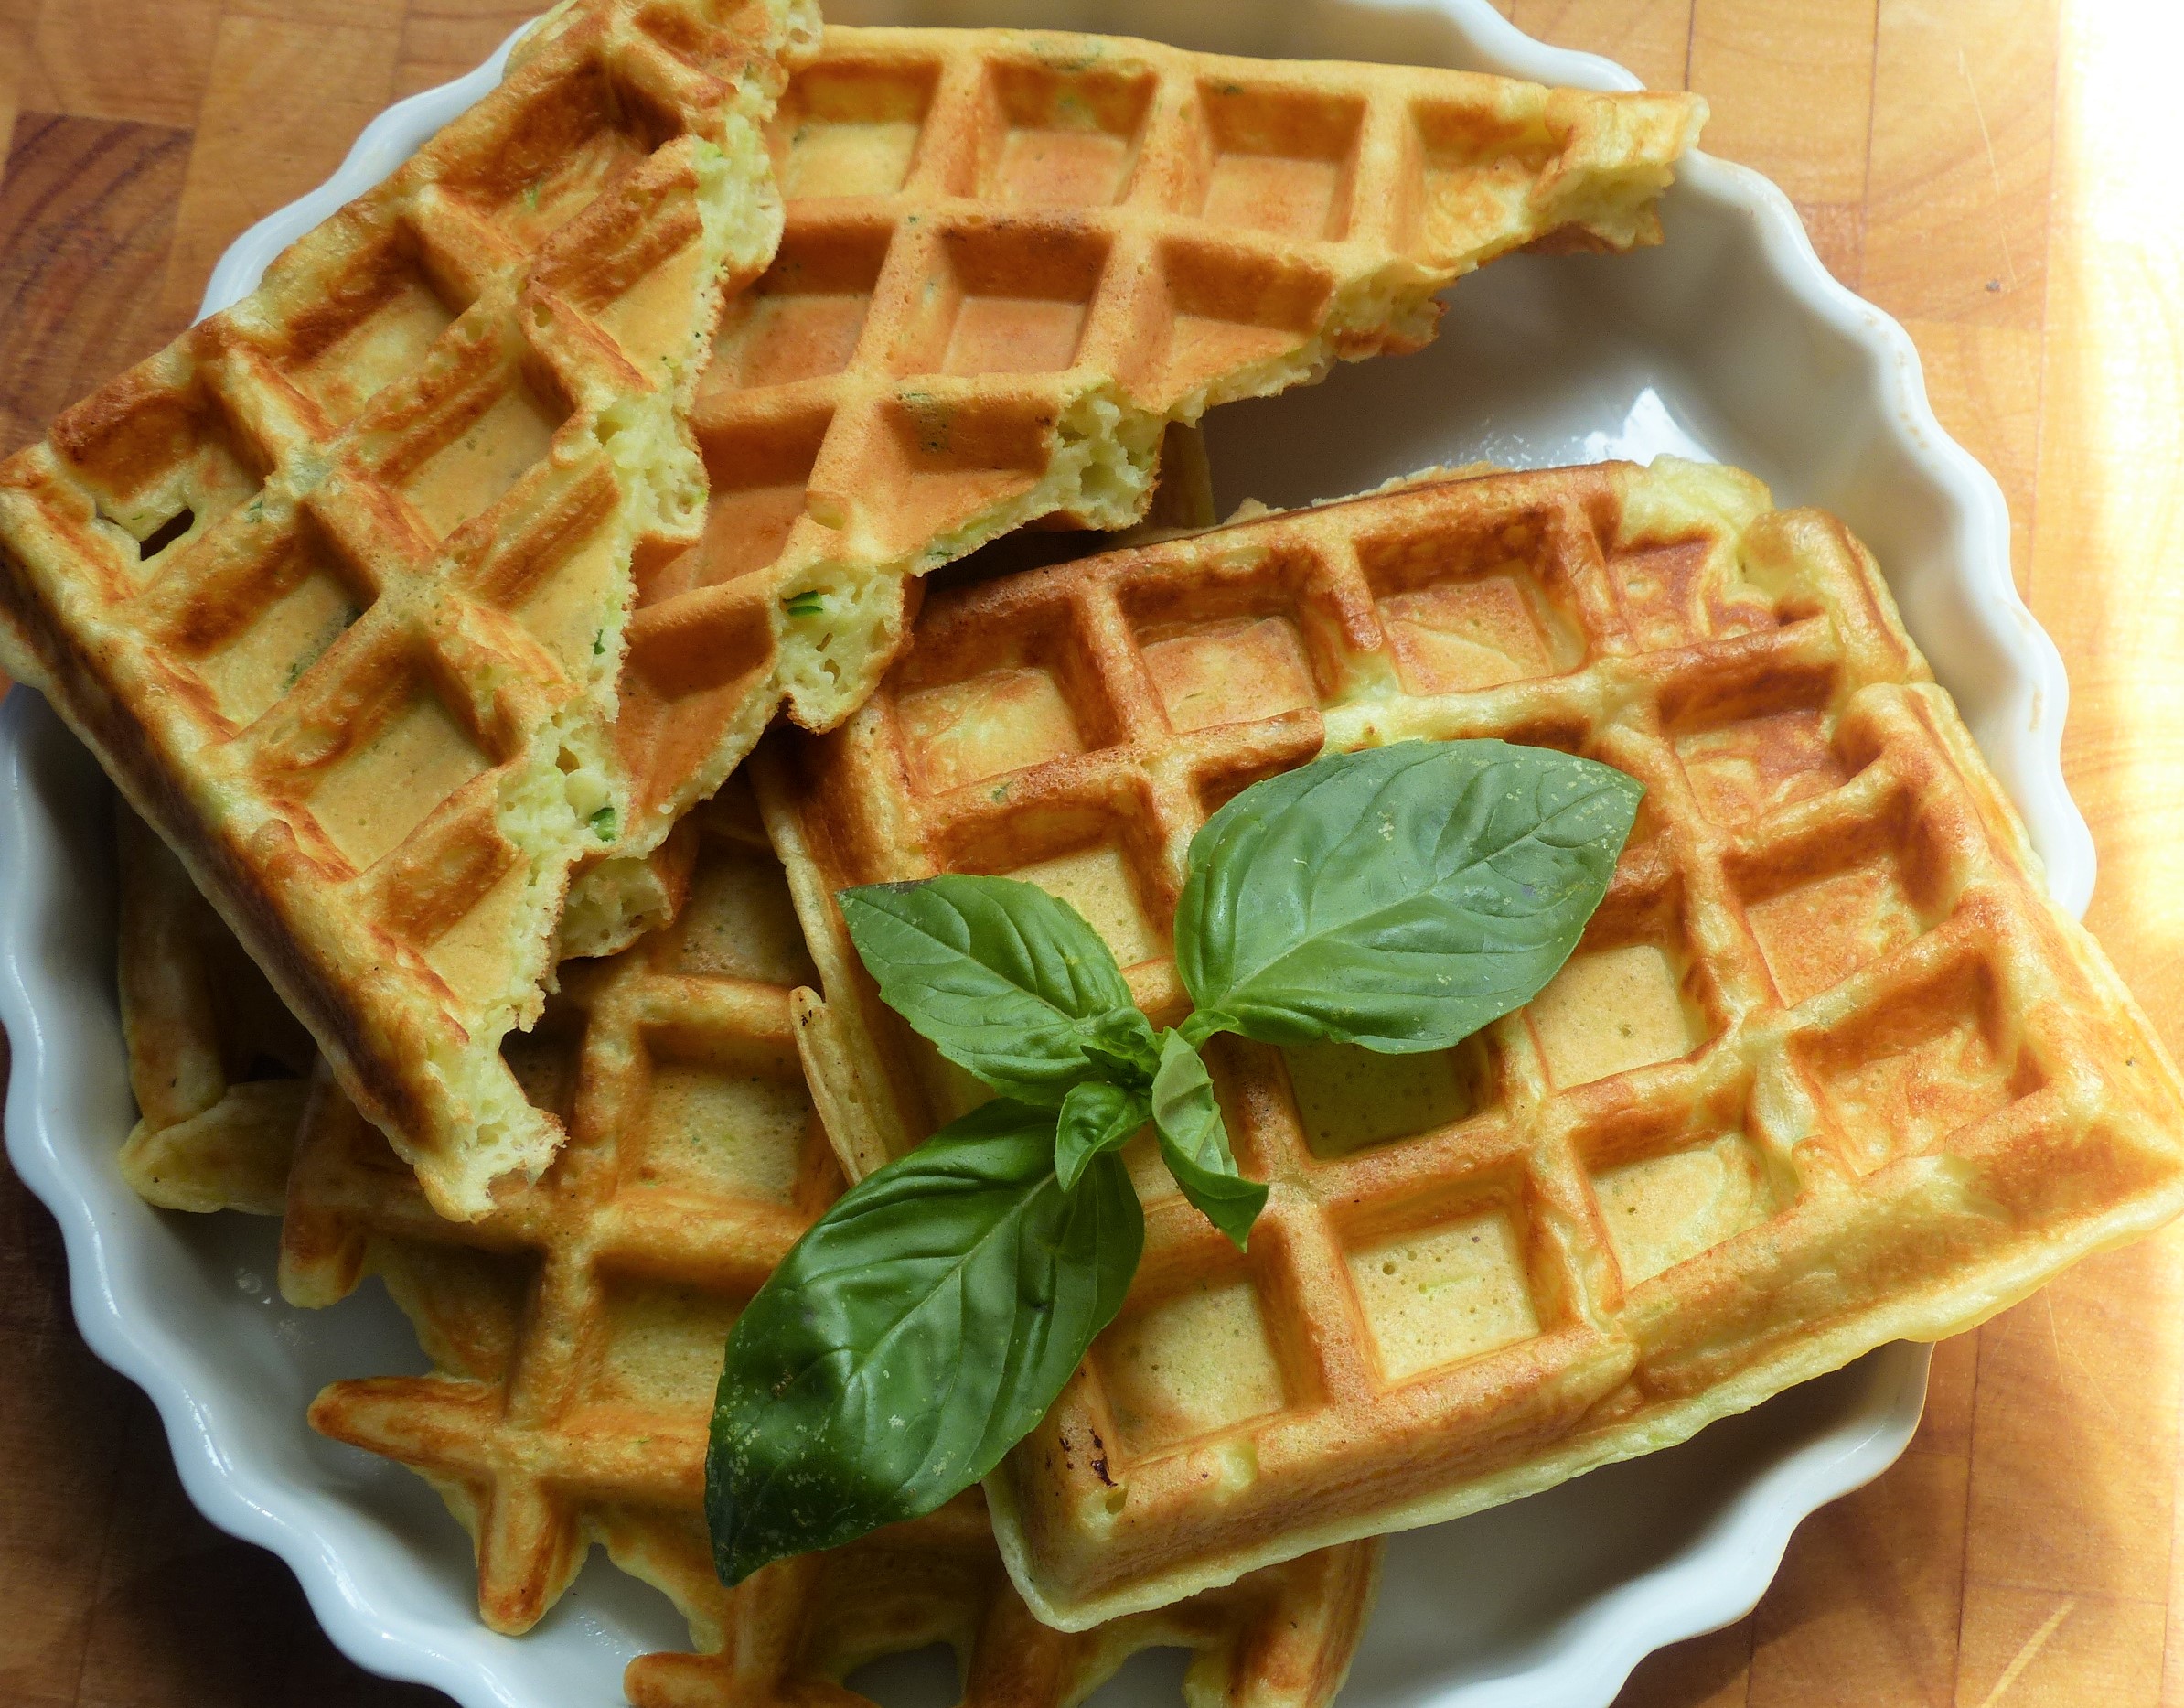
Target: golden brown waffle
(1009,260)
(336,586)
(1827,1069)
(578,1332)
(694,1163)
(219,1067)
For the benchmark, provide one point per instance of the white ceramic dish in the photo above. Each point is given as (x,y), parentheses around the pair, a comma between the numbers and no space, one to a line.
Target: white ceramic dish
(1729,342)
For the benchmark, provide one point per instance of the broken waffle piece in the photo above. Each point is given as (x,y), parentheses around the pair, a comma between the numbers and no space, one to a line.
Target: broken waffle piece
(1011,261)
(221,1069)
(336,586)
(1282,1637)
(1827,1069)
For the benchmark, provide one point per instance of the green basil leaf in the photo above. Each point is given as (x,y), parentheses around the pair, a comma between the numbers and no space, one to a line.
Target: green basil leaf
(1096,1118)
(915,1333)
(1122,1041)
(1195,1142)
(1398,897)
(1009,983)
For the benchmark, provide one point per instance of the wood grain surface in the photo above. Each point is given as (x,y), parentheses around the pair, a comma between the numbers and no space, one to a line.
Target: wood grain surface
(1986,170)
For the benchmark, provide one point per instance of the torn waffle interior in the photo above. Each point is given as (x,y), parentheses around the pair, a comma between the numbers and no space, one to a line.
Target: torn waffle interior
(1010,261)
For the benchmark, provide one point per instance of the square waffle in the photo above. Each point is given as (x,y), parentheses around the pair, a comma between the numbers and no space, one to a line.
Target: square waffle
(219,1068)
(336,584)
(1827,1069)
(1009,260)
(577,1332)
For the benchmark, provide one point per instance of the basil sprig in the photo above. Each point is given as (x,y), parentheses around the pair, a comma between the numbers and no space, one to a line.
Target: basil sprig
(1398,899)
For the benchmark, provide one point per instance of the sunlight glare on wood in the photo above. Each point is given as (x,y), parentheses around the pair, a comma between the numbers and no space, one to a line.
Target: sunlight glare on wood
(2109,531)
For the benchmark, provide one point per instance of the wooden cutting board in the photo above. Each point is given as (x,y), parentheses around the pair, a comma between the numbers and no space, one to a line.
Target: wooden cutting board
(1986,170)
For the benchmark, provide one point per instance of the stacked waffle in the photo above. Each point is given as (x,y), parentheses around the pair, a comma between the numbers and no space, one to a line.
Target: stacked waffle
(426,604)
(1010,261)
(577,1330)
(219,1068)
(336,586)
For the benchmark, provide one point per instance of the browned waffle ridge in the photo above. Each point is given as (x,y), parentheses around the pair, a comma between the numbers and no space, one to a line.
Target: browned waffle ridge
(1009,259)
(1828,1068)
(220,1069)
(336,586)
(577,1331)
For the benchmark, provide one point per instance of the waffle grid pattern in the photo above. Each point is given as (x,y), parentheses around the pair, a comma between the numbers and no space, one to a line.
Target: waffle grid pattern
(335,585)
(694,1163)
(1009,259)
(1827,1069)
(220,1069)
(576,1334)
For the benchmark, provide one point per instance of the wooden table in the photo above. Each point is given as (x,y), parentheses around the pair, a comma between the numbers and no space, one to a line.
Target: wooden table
(1986,170)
